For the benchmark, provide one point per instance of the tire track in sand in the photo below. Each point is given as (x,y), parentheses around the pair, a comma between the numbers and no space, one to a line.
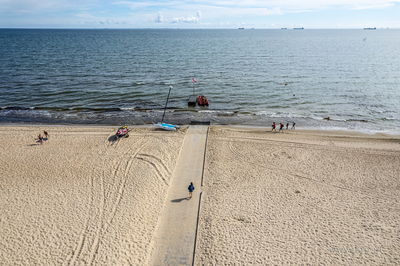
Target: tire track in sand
(156,163)
(314,179)
(85,235)
(103,227)
(82,236)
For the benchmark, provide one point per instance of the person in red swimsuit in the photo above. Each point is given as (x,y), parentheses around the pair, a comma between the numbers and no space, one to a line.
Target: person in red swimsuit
(273,127)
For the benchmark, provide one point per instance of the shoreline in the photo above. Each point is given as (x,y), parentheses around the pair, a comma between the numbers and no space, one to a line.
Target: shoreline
(267,128)
(369,125)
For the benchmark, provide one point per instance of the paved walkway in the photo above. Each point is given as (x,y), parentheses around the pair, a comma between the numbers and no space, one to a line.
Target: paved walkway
(175,237)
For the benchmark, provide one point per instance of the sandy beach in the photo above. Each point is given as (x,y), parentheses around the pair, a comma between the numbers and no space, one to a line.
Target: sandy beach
(82,198)
(298,197)
(301,197)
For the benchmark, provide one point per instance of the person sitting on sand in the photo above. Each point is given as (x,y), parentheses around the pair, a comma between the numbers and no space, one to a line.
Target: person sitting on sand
(41,139)
(46,134)
(293,127)
(273,127)
(281,128)
(190,188)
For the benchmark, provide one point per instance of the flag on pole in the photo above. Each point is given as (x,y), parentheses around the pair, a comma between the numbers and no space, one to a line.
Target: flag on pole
(194,80)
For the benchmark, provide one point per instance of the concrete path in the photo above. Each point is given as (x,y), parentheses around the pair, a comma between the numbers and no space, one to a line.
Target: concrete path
(175,237)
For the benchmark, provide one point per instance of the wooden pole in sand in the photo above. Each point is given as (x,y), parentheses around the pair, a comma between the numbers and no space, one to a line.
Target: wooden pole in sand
(170,87)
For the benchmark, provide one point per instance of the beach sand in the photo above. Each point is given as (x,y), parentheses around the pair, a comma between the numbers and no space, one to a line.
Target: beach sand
(300,197)
(82,198)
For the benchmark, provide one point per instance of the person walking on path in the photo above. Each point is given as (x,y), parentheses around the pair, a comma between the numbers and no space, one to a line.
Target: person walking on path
(293,125)
(273,127)
(281,128)
(190,188)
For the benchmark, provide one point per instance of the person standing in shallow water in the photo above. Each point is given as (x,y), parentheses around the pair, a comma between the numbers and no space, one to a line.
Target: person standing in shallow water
(190,188)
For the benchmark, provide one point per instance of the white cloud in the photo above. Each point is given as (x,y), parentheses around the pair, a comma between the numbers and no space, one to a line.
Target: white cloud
(136,13)
(272,6)
(189,19)
(160,18)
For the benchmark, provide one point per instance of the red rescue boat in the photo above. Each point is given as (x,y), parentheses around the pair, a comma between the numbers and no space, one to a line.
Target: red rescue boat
(202,101)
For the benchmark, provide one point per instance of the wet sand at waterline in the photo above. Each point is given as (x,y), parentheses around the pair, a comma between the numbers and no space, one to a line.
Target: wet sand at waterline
(318,197)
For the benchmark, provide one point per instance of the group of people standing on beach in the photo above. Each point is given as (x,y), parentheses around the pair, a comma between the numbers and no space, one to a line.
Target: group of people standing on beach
(282,126)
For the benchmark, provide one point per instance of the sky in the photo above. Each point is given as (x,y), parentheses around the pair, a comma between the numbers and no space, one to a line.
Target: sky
(209,14)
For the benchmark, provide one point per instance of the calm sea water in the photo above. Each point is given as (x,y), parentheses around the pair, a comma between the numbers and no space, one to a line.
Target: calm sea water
(251,77)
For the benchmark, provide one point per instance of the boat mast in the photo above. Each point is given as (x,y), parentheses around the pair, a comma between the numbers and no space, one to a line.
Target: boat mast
(170,87)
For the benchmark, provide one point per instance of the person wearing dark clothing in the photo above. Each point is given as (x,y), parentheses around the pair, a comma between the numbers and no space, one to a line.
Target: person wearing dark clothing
(41,139)
(281,128)
(190,188)
(46,134)
(273,127)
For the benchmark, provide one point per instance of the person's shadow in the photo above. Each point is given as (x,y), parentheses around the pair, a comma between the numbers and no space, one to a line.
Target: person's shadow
(179,200)
(112,138)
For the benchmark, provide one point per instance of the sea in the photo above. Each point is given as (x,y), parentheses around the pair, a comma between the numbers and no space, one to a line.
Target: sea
(251,77)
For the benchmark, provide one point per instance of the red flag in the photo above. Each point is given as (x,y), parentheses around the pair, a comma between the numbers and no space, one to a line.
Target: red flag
(194,80)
